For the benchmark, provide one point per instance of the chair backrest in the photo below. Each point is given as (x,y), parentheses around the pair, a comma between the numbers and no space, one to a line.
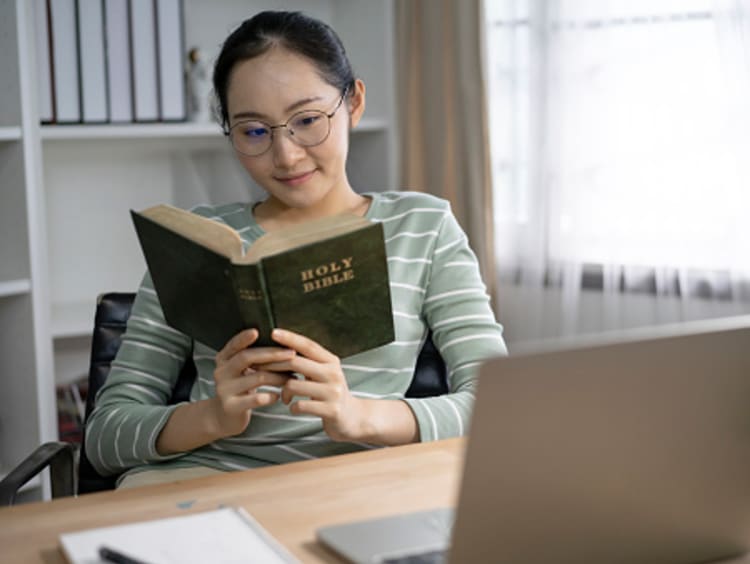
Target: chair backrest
(112,313)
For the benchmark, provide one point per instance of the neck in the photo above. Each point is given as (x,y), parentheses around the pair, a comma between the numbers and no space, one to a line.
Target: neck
(273,214)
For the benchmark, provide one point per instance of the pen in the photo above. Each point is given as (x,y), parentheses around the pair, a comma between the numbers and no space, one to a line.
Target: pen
(116,557)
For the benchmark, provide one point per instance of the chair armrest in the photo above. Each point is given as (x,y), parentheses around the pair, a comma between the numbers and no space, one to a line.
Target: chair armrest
(59,456)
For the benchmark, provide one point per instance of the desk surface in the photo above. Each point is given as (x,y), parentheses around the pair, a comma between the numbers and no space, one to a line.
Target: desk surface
(291,501)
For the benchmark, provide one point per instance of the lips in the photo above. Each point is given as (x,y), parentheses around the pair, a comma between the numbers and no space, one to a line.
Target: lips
(295,179)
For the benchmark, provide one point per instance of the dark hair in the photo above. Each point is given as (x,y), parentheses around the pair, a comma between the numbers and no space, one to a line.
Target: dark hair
(295,31)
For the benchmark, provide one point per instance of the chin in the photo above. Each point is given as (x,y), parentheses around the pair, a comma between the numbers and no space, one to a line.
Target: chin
(301,200)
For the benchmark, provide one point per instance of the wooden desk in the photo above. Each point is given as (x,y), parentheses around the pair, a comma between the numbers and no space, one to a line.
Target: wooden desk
(290,501)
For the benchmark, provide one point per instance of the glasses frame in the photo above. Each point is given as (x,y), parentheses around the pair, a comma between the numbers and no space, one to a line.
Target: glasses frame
(285,125)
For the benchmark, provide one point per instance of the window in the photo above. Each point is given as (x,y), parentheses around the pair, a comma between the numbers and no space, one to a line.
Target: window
(620,136)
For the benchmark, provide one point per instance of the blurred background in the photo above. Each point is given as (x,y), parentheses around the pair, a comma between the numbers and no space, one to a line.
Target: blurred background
(614,189)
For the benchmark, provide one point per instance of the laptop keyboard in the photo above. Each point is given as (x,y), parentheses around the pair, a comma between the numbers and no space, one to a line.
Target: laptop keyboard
(431,557)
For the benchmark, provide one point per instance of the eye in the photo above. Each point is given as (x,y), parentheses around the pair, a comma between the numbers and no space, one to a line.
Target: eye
(254,131)
(306,120)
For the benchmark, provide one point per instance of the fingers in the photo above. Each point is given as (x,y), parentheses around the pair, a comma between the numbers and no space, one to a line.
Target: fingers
(309,368)
(249,380)
(311,407)
(331,392)
(240,341)
(253,401)
(304,346)
(254,357)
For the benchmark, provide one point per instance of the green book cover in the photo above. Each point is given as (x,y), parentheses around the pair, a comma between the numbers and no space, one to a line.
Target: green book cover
(327,279)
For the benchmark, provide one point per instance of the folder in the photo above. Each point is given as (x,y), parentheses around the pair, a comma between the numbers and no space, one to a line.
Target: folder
(118,65)
(143,60)
(91,58)
(65,61)
(171,58)
(43,61)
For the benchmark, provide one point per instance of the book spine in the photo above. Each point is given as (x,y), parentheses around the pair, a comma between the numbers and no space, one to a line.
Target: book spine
(44,63)
(65,61)
(91,61)
(119,79)
(171,64)
(252,300)
(143,60)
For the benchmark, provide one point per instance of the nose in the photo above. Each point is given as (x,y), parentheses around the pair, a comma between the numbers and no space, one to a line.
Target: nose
(285,151)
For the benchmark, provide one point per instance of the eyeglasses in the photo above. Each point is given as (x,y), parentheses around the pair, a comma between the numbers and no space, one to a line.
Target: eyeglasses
(306,128)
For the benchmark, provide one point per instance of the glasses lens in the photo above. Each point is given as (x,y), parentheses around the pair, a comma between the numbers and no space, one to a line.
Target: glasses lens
(251,137)
(309,127)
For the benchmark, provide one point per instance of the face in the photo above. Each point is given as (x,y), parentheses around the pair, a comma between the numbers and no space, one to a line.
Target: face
(271,88)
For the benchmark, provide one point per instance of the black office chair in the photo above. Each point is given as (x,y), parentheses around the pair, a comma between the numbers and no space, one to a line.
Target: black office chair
(71,472)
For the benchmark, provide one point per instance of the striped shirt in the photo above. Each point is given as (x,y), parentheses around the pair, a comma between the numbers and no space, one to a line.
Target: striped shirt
(435,285)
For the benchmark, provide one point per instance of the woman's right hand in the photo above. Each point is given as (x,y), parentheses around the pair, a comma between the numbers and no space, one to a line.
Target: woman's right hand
(238,378)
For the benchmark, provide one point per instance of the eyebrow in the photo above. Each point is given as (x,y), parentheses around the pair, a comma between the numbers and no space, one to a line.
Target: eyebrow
(290,108)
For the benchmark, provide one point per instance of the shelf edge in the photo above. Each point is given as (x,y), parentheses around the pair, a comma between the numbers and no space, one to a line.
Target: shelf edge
(11,133)
(10,288)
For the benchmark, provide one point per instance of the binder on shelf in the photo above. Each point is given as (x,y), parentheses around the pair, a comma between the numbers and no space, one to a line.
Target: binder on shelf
(118,64)
(143,60)
(91,60)
(44,61)
(169,37)
(65,61)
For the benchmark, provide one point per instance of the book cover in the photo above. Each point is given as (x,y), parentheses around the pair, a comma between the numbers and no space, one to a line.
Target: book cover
(330,285)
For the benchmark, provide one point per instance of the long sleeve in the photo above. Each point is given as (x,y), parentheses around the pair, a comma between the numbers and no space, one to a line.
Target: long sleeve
(457,309)
(435,285)
(131,408)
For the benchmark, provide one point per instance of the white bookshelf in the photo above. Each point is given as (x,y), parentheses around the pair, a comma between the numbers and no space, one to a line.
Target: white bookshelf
(136,131)
(27,401)
(10,134)
(14,287)
(65,230)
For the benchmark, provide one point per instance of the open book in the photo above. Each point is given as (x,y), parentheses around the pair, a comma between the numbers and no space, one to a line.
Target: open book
(325,279)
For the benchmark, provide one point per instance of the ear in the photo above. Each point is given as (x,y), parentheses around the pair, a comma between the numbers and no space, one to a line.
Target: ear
(356,103)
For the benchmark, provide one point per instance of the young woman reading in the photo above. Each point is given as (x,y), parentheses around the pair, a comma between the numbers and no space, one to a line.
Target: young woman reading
(288,98)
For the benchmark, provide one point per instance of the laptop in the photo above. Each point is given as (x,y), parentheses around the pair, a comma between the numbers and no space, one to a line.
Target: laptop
(634,449)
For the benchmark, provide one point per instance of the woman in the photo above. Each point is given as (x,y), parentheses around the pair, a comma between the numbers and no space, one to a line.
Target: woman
(287,98)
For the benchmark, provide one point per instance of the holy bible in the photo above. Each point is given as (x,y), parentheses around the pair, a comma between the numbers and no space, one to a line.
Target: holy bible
(325,279)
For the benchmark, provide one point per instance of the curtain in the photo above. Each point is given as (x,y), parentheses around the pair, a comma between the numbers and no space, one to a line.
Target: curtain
(620,142)
(443,121)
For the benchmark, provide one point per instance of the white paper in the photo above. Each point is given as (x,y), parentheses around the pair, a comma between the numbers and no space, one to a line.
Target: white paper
(221,536)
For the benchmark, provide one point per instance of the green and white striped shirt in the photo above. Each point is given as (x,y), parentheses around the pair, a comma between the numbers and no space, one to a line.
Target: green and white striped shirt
(435,284)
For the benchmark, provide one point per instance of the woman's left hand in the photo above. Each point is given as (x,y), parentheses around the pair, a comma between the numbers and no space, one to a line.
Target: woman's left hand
(324,389)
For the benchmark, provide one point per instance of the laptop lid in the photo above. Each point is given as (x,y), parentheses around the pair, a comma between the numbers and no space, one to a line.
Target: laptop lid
(619,452)
(391,538)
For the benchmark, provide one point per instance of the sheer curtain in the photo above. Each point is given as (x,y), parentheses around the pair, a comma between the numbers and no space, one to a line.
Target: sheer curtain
(620,134)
